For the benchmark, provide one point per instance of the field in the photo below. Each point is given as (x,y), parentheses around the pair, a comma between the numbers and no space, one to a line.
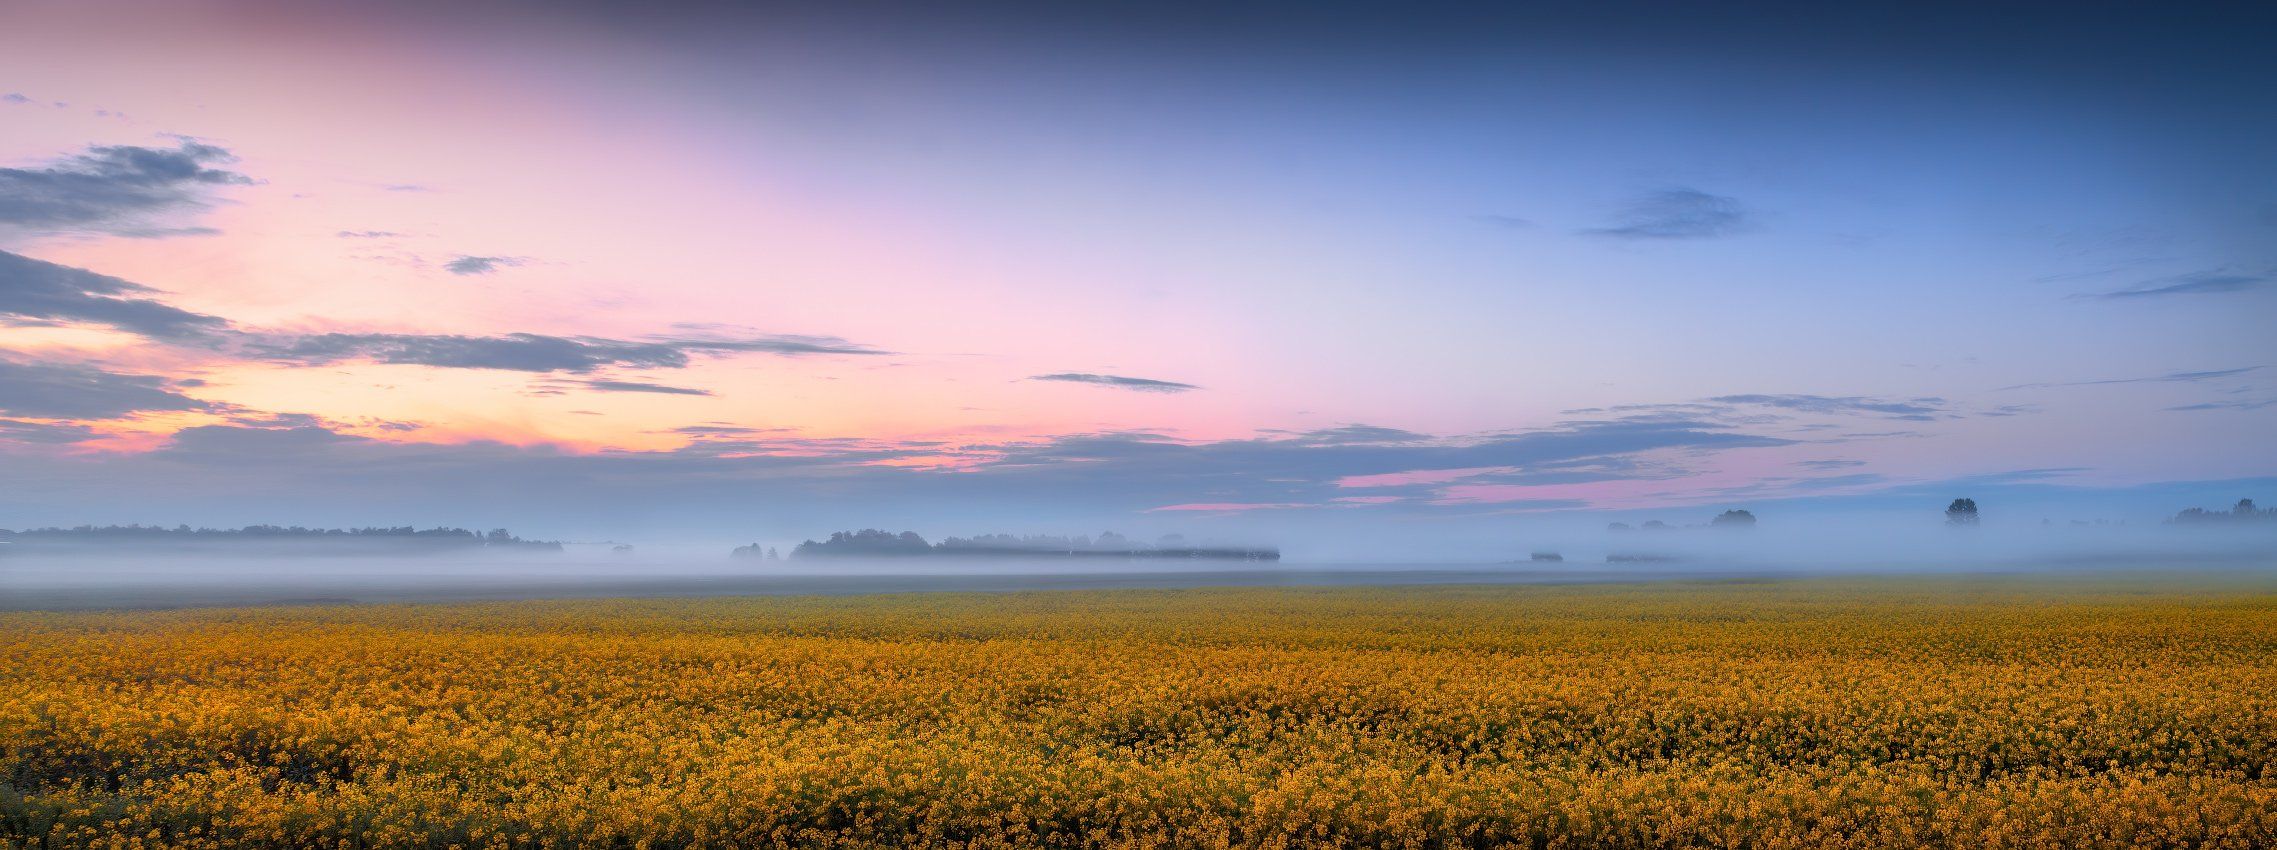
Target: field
(1975,713)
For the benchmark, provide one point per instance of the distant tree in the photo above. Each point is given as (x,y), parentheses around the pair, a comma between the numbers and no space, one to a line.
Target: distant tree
(1734,519)
(1655,525)
(772,555)
(2244,508)
(1961,512)
(1618,526)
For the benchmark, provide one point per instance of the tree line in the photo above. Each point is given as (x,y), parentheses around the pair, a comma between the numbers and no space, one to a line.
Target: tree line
(872,542)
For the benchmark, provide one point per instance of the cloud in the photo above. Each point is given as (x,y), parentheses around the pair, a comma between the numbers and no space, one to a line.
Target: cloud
(1352,435)
(367,234)
(1509,222)
(1917,410)
(1127,473)
(45,433)
(470,265)
(722,430)
(2225,405)
(70,391)
(519,352)
(1829,464)
(2196,283)
(1144,385)
(2018,476)
(34,292)
(164,232)
(788,345)
(526,352)
(2168,378)
(1678,213)
(640,387)
(38,292)
(14,97)
(115,189)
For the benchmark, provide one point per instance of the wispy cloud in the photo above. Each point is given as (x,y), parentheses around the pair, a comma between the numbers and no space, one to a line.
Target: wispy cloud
(2225,405)
(527,352)
(520,352)
(1144,385)
(1916,409)
(2196,283)
(787,345)
(75,391)
(45,433)
(1677,213)
(640,387)
(116,189)
(35,292)
(473,265)
(38,292)
(2168,378)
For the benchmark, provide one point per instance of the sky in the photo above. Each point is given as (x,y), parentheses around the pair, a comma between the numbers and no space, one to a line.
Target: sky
(1338,276)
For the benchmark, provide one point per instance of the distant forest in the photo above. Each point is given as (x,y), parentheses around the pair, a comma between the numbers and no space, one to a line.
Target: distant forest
(2243,513)
(871,542)
(295,538)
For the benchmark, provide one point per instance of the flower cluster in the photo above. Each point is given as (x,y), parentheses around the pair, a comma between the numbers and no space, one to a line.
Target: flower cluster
(1956,713)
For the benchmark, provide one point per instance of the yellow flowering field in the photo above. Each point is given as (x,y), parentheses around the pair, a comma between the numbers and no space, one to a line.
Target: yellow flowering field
(1977,713)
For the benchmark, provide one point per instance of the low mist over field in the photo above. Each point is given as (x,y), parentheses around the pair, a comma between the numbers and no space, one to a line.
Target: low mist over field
(138,567)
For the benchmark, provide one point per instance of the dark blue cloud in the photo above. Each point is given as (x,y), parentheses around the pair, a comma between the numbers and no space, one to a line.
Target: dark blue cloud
(1679,213)
(518,352)
(1144,385)
(640,387)
(37,292)
(115,189)
(48,433)
(524,352)
(787,345)
(2198,283)
(1915,410)
(73,391)
(34,292)
(471,265)
(2225,405)
(1116,473)
(2168,378)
